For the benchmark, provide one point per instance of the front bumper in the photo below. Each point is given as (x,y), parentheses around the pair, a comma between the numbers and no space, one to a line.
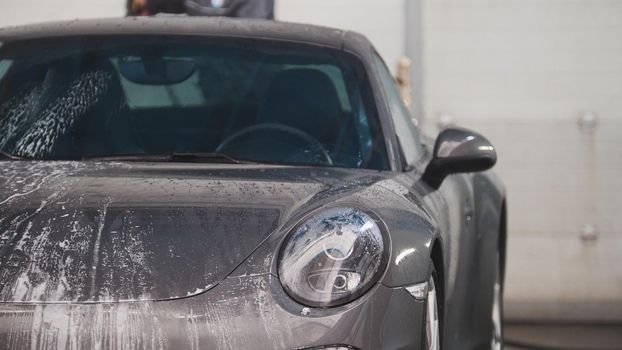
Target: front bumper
(240,313)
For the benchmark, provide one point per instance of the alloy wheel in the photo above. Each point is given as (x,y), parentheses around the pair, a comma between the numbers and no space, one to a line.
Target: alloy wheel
(432,328)
(497,330)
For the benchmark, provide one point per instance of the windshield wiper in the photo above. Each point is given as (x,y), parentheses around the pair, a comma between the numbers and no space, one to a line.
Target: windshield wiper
(208,158)
(176,157)
(7,156)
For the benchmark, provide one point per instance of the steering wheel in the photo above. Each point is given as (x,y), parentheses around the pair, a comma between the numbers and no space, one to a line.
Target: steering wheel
(279,128)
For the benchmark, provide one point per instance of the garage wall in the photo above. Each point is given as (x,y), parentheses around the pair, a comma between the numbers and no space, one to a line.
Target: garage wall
(524,72)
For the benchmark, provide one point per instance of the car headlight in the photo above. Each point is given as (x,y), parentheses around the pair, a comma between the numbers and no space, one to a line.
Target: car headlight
(332,258)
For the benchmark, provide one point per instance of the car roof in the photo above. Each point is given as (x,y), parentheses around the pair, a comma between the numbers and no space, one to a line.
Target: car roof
(184,25)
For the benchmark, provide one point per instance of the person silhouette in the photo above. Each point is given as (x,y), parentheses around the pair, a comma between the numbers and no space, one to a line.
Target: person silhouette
(262,9)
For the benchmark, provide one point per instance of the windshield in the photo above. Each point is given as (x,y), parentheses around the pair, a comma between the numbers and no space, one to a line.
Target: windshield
(258,100)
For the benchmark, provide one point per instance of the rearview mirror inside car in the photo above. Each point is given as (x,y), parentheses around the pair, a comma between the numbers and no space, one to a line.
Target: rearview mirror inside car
(459,150)
(156,70)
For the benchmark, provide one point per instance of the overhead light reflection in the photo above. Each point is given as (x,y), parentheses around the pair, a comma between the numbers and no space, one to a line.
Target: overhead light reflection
(403,255)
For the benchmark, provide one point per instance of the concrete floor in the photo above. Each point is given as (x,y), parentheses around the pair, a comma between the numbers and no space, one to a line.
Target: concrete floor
(566,337)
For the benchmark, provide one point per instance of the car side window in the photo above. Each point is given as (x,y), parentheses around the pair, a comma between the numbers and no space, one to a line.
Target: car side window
(405,128)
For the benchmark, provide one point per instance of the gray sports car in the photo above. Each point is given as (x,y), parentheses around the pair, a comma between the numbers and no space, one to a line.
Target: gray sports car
(177,183)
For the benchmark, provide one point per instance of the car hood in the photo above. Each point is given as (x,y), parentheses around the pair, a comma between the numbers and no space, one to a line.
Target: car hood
(107,232)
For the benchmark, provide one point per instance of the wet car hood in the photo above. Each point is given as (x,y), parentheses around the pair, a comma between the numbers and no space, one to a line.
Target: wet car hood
(102,232)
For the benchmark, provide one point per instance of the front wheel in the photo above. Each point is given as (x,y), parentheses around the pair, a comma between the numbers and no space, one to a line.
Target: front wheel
(432,323)
(497,309)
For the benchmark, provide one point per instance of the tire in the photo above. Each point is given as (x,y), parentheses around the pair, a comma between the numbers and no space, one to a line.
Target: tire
(433,326)
(496,342)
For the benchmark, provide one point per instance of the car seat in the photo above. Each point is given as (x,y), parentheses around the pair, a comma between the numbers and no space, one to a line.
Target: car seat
(306,99)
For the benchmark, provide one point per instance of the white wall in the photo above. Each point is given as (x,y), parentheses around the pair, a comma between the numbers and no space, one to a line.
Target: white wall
(522,72)
(14,12)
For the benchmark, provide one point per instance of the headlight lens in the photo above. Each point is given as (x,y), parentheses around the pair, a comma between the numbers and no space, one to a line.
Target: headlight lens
(332,258)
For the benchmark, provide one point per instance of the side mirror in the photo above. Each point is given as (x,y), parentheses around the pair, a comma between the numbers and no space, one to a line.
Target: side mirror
(459,151)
